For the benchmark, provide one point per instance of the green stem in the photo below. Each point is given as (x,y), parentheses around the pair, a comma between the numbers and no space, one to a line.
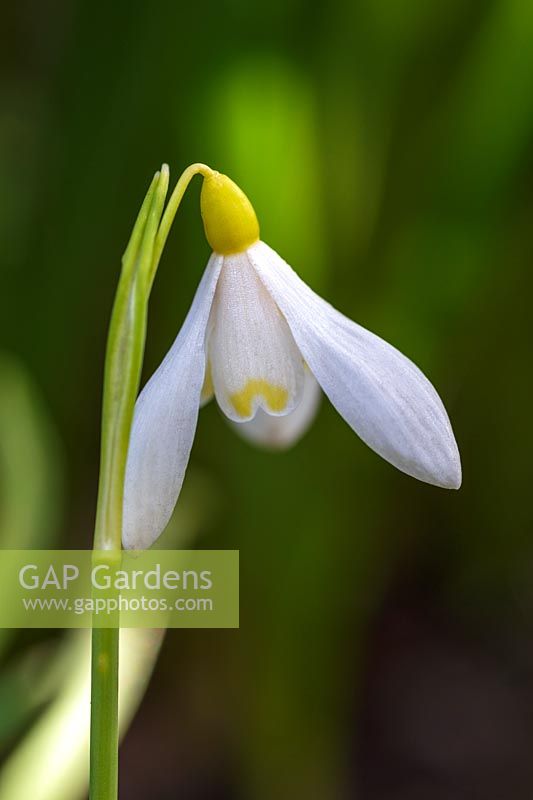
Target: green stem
(170,211)
(104,714)
(122,373)
(125,348)
(123,363)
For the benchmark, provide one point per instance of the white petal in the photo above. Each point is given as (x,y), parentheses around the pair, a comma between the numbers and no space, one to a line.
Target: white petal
(207,392)
(255,362)
(279,433)
(165,422)
(380,393)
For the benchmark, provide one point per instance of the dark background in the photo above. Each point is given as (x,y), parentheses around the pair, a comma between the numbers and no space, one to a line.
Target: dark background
(385,649)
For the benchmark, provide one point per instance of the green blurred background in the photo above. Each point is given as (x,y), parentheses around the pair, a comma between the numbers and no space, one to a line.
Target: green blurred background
(385,649)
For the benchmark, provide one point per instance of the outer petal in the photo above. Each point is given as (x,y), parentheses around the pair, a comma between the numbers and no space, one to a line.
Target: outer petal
(279,433)
(164,424)
(254,360)
(380,393)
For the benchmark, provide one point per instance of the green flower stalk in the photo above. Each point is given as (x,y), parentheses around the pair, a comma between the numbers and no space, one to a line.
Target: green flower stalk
(123,364)
(122,373)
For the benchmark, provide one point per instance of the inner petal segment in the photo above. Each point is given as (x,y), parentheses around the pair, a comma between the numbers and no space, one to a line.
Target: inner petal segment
(255,362)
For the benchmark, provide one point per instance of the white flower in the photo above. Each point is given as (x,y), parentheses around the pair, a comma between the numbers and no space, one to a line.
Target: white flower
(254,337)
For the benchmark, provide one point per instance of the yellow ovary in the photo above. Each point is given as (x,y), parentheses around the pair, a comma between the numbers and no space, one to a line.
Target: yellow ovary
(229,219)
(275,397)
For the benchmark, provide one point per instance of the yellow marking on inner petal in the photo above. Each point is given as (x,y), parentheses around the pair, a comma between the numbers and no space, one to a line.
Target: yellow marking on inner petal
(275,397)
(208,389)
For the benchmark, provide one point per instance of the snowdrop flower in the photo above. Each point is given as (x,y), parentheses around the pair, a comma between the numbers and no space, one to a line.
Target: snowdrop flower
(260,341)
